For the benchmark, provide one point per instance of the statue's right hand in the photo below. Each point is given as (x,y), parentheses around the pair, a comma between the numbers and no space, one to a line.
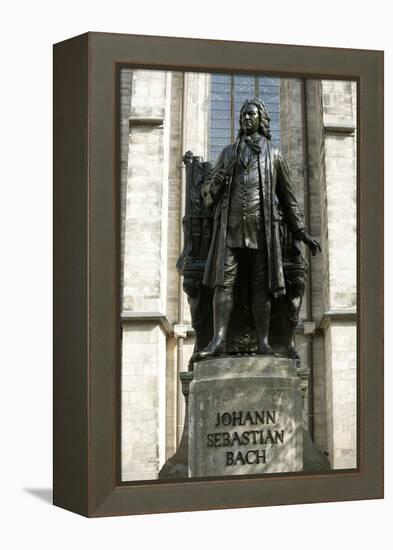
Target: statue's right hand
(219,177)
(215,187)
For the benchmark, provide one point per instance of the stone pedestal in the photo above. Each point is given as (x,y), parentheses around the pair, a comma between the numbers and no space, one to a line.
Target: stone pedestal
(245,417)
(177,465)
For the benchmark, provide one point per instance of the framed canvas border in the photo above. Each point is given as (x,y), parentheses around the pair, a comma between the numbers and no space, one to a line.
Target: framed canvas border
(87,274)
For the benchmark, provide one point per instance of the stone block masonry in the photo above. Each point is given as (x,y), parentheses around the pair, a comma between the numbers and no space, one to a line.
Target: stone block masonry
(245,417)
(145,210)
(330,167)
(143,401)
(338,206)
(153,136)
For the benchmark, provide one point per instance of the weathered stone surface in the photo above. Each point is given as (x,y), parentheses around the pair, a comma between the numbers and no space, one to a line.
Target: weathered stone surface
(177,465)
(338,219)
(245,417)
(150,241)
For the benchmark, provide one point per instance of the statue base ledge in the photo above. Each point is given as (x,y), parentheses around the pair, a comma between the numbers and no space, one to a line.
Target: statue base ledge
(245,366)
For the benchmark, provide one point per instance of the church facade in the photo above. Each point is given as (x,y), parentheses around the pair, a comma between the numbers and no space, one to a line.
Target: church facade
(163,115)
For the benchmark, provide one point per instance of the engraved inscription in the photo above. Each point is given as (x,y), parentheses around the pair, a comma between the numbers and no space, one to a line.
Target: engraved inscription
(238,438)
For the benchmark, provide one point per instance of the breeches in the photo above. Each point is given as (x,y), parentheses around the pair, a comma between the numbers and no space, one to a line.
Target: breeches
(253,263)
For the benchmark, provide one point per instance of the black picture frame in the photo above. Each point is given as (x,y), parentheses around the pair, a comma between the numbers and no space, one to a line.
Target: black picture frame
(87,264)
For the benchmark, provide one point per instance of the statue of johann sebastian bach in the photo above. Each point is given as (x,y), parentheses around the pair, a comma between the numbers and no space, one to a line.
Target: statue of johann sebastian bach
(249,190)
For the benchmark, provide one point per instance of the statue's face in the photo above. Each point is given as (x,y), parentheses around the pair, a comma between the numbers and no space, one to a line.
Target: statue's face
(250,119)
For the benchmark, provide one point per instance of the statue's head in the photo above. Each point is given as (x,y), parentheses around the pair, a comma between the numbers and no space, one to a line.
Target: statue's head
(254,117)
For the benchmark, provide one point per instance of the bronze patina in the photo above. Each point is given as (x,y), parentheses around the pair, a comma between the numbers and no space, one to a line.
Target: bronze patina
(243,264)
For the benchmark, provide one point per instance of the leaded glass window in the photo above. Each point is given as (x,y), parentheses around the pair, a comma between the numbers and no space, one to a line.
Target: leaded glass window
(228,92)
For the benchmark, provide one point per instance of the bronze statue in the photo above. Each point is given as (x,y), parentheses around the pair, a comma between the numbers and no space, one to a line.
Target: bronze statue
(242,263)
(244,228)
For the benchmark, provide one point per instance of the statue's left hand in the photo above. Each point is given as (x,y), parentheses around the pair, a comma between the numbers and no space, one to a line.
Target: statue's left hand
(312,244)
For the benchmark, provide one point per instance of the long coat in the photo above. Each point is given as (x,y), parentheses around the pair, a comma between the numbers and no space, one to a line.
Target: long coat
(275,187)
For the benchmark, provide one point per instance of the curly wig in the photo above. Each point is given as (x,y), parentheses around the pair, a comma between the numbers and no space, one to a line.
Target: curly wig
(264,118)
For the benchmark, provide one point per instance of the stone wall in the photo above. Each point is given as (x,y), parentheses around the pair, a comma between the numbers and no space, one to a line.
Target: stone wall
(316,178)
(173,247)
(320,145)
(145,255)
(143,430)
(125,113)
(339,279)
(340,220)
(293,149)
(174,190)
(156,129)
(145,263)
